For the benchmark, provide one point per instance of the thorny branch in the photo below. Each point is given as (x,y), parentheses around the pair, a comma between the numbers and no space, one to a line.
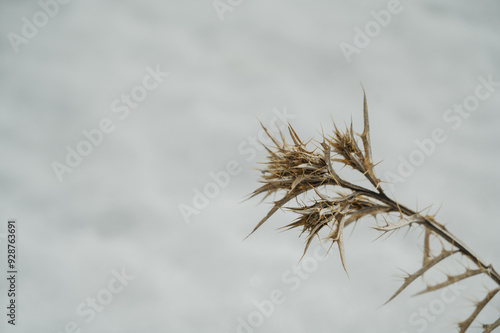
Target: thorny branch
(296,169)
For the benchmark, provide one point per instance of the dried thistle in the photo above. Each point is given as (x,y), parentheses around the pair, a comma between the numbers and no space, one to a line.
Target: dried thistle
(295,169)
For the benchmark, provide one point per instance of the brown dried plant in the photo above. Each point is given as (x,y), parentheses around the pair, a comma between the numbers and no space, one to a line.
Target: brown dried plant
(294,169)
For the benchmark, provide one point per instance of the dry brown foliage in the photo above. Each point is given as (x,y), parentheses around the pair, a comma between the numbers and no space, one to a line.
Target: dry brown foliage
(294,169)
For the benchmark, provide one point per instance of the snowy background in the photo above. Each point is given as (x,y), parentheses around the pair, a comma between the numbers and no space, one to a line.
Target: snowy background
(119,209)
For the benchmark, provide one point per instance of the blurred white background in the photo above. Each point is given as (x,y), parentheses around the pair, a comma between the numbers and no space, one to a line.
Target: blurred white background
(119,208)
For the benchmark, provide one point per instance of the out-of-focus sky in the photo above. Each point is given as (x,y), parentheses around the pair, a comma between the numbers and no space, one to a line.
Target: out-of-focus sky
(103,244)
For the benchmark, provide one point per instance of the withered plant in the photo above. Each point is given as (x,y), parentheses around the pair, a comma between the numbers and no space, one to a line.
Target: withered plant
(294,168)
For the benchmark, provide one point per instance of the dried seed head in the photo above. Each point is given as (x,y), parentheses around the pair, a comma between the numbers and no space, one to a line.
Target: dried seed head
(292,167)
